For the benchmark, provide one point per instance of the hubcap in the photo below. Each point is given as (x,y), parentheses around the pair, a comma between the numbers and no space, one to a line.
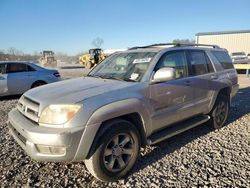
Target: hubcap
(220,113)
(118,152)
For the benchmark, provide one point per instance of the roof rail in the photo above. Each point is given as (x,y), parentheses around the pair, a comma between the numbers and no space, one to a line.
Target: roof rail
(174,45)
(205,45)
(153,45)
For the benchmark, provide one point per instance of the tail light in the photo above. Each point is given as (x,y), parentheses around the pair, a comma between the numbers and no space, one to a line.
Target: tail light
(57,74)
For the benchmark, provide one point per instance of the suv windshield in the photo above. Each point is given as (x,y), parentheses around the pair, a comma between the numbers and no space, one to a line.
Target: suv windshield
(129,66)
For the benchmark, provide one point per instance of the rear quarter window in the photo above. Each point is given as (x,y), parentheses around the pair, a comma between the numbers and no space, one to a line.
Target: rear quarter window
(224,59)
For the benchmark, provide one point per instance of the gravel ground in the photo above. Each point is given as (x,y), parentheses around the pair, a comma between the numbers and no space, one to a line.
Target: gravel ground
(198,157)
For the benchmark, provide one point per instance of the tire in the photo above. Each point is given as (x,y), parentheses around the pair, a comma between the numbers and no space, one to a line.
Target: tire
(37,84)
(88,65)
(220,112)
(116,151)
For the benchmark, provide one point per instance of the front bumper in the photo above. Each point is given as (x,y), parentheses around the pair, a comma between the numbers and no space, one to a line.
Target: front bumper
(28,135)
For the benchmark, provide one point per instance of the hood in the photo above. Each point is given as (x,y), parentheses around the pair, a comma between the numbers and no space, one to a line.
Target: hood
(73,90)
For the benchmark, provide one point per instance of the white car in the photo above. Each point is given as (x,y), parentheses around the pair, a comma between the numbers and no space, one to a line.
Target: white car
(239,56)
(17,77)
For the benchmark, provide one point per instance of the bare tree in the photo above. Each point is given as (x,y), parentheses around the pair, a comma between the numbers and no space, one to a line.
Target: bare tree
(97,42)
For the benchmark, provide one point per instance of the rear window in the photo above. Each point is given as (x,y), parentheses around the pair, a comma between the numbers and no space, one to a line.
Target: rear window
(238,53)
(224,59)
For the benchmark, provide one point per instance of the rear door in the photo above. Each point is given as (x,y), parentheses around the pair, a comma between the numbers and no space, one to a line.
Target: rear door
(202,74)
(18,78)
(3,79)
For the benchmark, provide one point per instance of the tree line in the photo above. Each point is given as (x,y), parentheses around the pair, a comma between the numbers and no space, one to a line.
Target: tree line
(13,54)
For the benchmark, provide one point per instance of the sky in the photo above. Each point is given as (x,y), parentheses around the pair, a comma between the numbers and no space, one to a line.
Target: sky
(70,26)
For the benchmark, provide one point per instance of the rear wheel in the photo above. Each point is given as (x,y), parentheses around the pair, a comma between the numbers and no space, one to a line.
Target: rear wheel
(116,153)
(220,112)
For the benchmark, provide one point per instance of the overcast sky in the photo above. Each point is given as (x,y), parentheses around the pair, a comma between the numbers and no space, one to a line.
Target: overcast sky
(70,26)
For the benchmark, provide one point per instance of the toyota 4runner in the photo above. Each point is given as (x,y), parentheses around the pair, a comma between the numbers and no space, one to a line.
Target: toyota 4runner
(132,99)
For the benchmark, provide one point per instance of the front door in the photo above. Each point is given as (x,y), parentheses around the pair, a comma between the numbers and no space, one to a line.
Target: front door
(171,100)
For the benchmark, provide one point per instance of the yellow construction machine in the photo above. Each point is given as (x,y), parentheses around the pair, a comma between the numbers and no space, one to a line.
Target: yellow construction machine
(92,58)
(47,59)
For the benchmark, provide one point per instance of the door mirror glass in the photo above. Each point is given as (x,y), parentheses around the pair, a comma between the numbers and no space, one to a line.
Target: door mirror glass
(164,74)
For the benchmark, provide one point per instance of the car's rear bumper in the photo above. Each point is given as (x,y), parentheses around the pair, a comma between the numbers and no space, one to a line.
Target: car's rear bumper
(29,136)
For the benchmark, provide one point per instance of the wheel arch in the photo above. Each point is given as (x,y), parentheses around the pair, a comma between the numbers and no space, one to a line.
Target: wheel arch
(38,81)
(223,91)
(133,118)
(132,110)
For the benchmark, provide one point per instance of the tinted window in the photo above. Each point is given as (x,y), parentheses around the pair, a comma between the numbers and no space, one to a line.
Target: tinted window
(197,62)
(16,67)
(210,66)
(2,68)
(176,60)
(30,68)
(224,59)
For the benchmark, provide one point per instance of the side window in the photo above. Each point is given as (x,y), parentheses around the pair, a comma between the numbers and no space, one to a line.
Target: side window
(2,68)
(198,64)
(176,60)
(30,68)
(16,67)
(224,59)
(210,66)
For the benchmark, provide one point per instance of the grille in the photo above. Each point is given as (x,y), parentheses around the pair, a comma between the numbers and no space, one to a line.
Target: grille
(28,108)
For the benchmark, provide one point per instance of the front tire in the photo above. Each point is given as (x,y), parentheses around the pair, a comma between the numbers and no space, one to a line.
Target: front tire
(220,112)
(88,65)
(117,150)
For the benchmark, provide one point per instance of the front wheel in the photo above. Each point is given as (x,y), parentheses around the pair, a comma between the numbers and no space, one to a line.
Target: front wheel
(116,152)
(220,112)
(88,65)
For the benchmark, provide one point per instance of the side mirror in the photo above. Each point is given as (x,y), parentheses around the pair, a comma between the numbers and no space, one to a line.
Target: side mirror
(164,74)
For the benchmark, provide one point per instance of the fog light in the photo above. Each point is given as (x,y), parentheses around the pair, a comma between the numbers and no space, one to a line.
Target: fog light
(51,150)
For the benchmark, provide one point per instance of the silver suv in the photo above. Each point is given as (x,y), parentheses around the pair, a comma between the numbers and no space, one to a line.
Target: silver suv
(132,99)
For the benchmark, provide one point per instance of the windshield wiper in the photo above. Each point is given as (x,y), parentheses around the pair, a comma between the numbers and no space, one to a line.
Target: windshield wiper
(112,77)
(95,76)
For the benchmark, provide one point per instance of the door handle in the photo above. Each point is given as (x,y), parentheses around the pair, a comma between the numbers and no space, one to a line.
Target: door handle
(2,78)
(188,83)
(214,77)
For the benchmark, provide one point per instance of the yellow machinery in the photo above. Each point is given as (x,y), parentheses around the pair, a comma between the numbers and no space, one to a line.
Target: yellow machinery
(244,67)
(47,59)
(94,56)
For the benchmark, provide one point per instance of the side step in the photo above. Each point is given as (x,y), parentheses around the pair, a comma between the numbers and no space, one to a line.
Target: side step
(177,129)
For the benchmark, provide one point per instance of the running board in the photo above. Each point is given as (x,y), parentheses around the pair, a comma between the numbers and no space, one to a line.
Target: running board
(177,129)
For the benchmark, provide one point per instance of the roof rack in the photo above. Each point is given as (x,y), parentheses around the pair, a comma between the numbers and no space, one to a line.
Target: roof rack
(174,45)
(205,45)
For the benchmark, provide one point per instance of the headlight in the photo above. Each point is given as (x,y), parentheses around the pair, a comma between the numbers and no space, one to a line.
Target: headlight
(59,113)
